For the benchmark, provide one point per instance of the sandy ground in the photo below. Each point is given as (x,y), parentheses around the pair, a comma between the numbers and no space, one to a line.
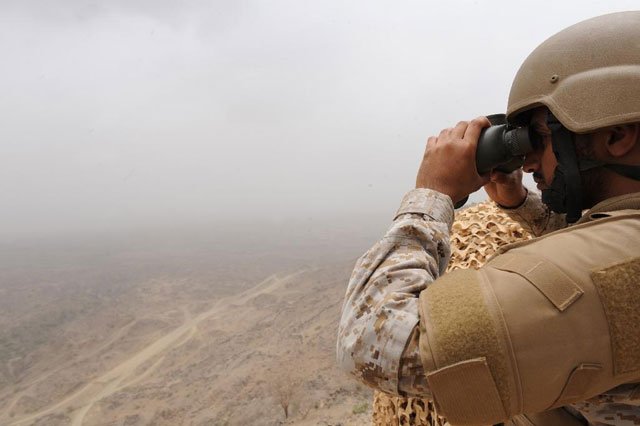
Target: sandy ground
(225,354)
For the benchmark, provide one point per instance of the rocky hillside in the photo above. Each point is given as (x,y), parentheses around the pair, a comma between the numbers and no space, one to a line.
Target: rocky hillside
(133,337)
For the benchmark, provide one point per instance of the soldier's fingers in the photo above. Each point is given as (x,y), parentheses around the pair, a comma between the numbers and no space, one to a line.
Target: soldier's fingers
(475,128)
(431,142)
(445,133)
(458,131)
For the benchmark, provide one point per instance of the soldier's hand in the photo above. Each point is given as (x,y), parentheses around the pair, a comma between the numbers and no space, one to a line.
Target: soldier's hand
(506,189)
(449,162)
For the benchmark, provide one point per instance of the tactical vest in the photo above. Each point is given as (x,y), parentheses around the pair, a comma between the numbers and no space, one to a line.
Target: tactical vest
(545,323)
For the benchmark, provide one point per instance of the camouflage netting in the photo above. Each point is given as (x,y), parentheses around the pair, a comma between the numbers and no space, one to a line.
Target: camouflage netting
(478,231)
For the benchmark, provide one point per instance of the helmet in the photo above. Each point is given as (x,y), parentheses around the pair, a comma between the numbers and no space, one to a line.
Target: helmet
(587,75)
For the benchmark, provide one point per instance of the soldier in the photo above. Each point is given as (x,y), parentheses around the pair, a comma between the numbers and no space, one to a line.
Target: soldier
(550,325)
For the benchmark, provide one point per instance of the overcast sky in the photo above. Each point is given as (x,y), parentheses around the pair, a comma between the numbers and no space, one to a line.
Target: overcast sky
(124,113)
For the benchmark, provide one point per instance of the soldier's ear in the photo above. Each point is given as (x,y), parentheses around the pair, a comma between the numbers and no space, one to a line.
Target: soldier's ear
(622,139)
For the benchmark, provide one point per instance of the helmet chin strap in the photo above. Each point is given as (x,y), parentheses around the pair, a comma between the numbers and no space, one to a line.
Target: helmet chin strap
(565,192)
(631,172)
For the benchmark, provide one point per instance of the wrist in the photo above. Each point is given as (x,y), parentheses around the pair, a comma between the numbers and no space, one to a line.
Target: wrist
(452,193)
(427,202)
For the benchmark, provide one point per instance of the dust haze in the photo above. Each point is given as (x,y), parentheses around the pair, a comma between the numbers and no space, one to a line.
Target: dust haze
(186,185)
(122,114)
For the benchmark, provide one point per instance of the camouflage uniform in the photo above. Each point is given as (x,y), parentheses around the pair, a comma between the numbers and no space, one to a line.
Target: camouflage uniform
(535,217)
(378,333)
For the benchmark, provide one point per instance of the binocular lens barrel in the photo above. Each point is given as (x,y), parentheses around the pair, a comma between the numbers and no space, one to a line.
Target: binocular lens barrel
(501,147)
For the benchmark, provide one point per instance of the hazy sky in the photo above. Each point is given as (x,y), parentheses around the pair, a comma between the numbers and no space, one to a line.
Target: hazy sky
(132,113)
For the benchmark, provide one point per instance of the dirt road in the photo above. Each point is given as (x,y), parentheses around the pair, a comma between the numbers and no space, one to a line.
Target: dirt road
(128,372)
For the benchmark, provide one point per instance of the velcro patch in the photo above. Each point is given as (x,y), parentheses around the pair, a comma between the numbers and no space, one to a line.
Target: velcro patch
(619,288)
(467,394)
(463,328)
(554,284)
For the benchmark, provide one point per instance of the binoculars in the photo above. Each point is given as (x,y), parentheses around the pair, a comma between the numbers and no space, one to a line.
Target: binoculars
(502,147)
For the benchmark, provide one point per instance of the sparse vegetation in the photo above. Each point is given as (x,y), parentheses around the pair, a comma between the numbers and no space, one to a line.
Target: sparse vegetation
(360,408)
(283,386)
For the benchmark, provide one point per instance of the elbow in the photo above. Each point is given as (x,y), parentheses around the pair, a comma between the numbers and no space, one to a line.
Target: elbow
(364,362)
(345,353)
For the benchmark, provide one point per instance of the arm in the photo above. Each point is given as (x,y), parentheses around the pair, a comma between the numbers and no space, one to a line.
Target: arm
(534,216)
(380,312)
(377,339)
(522,205)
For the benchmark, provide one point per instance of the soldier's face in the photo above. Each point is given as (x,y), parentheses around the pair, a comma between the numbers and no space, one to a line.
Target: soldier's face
(542,161)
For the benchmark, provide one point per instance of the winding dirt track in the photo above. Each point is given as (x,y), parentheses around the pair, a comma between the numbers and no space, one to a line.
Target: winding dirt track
(124,374)
(117,335)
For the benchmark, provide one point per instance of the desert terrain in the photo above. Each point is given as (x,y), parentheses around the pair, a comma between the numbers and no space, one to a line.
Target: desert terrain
(196,327)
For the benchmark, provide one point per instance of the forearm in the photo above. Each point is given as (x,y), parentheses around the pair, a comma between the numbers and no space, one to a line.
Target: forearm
(380,310)
(535,217)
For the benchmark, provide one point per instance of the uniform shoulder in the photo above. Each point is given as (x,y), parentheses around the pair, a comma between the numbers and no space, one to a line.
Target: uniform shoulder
(606,226)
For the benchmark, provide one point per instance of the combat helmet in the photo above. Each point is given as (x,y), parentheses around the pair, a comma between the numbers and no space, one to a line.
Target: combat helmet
(588,76)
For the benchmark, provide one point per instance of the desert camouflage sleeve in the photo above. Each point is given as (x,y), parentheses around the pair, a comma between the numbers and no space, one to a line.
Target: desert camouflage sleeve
(380,311)
(535,217)
(619,406)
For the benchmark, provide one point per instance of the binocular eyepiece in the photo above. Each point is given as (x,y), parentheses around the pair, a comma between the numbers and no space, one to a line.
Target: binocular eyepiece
(502,147)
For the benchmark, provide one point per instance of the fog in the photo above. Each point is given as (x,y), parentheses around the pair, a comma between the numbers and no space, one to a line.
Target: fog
(123,114)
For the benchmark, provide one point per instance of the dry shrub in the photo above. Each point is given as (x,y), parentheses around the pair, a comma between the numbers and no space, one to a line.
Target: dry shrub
(283,385)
